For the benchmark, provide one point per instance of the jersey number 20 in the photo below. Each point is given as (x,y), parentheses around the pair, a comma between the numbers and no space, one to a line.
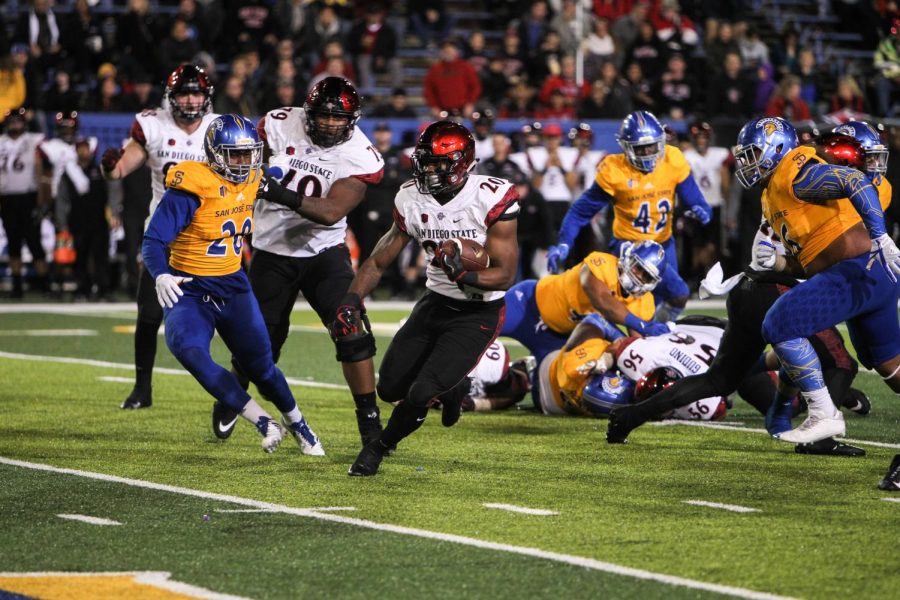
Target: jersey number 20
(229,229)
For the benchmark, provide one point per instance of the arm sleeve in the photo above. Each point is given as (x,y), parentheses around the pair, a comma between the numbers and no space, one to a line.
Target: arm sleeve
(690,194)
(592,201)
(174,214)
(819,182)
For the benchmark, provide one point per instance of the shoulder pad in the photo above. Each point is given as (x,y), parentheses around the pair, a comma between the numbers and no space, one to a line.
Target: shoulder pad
(192,177)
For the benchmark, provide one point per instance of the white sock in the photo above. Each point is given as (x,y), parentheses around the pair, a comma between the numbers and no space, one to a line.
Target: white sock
(293,416)
(819,401)
(253,412)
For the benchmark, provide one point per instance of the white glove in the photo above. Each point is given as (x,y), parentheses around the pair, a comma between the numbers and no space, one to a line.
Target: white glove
(168,289)
(766,258)
(885,251)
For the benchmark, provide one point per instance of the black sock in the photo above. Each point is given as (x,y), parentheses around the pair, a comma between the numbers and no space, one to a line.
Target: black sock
(17,285)
(145,334)
(366,403)
(403,422)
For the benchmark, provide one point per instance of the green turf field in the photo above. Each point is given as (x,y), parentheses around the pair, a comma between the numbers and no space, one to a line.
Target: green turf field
(621,527)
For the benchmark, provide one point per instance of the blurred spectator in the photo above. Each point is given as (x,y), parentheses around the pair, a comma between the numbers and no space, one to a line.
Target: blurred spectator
(626,28)
(786,51)
(318,32)
(33,75)
(511,54)
(12,85)
(82,40)
(285,76)
(548,60)
(106,98)
(142,95)
(429,21)
(648,51)
(494,84)
(533,28)
(204,26)
(639,87)
(566,25)
(718,48)
(137,38)
(178,48)
(499,164)
(61,97)
(292,16)
(521,102)
(335,66)
(764,87)
(754,51)
(476,52)
(273,67)
(482,127)
(451,84)
(38,29)
(887,62)
(248,22)
(396,107)
(551,169)
(787,103)
(334,49)
(564,82)
(848,96)
(582,139)
(534,229)
(373,44)
(676,89)
(557,108)
(730,93)
(611,9)
(619,88)
(233,100)
(599,47)
(811,80)
(599,104)
(676,30)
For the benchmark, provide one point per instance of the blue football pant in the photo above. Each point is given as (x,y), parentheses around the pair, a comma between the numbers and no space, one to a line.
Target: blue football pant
(524,324)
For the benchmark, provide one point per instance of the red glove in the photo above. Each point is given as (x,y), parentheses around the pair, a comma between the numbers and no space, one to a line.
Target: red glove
(110,159)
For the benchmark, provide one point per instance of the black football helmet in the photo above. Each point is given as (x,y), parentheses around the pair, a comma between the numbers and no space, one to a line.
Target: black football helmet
(15,122)
(443,157)
(336,97)
(186,79)
(66,124)
(654,382)
(482,123)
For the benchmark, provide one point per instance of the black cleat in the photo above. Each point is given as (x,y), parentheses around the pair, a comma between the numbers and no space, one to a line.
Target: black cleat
(857,401)
(224,418)
(829,447)
(891,481)
(368,461)
(622,421)
(451,410)
(138,398)
(369,423)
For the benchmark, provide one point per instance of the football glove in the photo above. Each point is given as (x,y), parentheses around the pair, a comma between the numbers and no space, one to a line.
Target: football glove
(556,255)
(766,258)
(699,213)
(645,328)
(885,251)
(168,289)
(110,159)
(452,265)
(271,190)
(349,318)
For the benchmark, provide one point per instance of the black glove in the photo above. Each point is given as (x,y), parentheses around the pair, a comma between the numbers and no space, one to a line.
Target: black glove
(350,318)
(453,267)
(110,159)
(271,190)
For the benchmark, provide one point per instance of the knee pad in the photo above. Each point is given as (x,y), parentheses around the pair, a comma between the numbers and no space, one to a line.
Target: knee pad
(354,349)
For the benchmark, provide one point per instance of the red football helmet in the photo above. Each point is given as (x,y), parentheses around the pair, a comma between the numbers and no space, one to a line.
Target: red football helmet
(15,122)
(66,125)
(582,131)
(840,149)
(336,97)
(184,80)
(655,381)
(443,157)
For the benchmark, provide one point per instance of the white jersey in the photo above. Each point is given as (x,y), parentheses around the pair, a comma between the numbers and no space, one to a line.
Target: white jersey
(707,172)
(17,159)
(480,203)
(166,145)
(484,149)
(553,185)
(311,171)
(63,157)
(491,368)
(689,349)
(586,168)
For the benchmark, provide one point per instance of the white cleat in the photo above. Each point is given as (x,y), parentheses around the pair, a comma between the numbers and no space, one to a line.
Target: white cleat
(307,440)
(816,427)
(271,432)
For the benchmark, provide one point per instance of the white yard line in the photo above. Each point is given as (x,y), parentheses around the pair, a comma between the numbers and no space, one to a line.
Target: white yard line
(265,510)
(733,427)
(732,507)
(89,520)
(891,499)
(579,561)
(47,332)
(111,379)
(523,509)
(159,579)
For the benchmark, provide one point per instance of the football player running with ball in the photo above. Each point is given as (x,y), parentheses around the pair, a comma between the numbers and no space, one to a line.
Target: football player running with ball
(160,138)
(301,225)
(205,213)
(458,318)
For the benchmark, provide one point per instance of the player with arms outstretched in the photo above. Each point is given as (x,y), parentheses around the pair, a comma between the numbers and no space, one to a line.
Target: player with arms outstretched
(160,138)
(458,318)
(301,226)
(202,219)
(641,184)
(829,218)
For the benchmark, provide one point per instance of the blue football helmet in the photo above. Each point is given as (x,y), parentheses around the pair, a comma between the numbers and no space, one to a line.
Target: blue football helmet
(643,140)
(761,145)
(876,152)
(641,267)
(233,148)
(605,391)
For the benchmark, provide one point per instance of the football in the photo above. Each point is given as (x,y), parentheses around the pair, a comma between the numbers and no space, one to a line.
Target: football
(474,256)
